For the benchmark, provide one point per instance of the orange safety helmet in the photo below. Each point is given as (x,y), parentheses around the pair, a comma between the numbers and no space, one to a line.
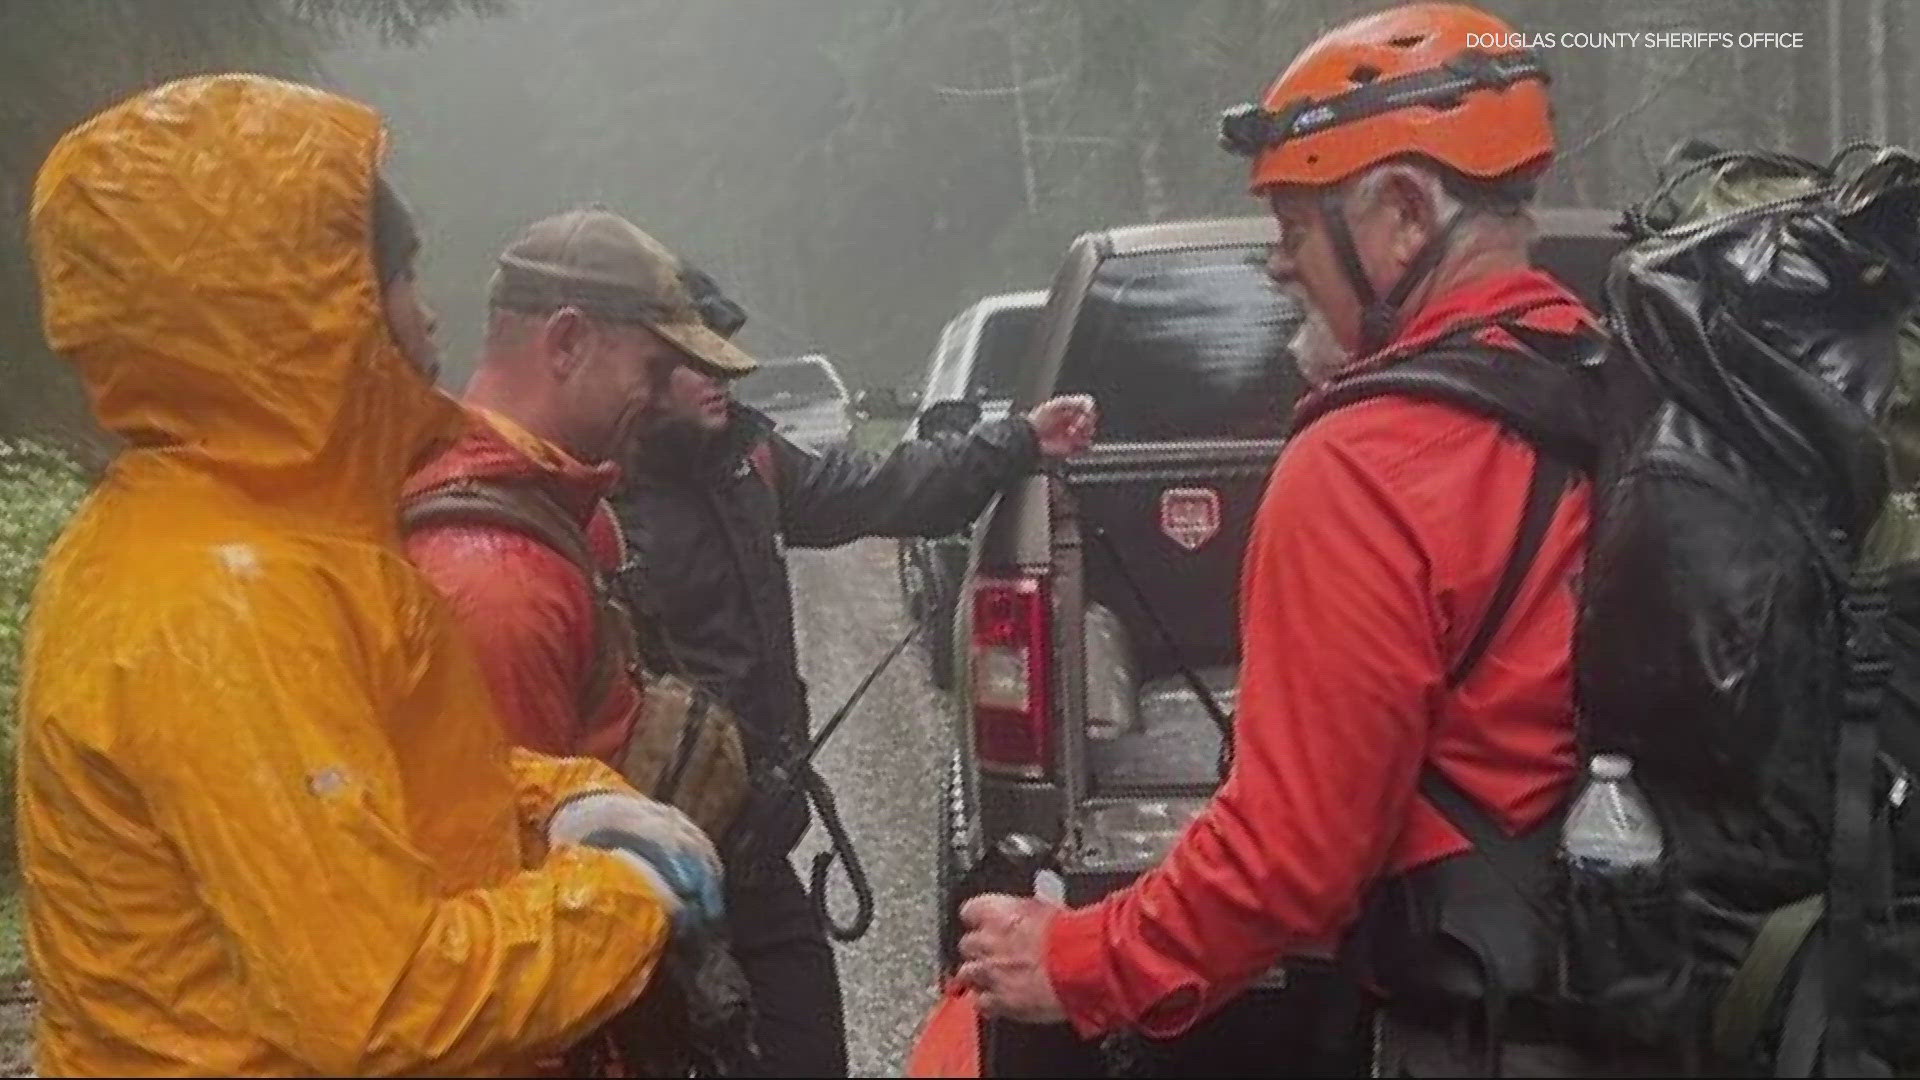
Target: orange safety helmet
(1442,81)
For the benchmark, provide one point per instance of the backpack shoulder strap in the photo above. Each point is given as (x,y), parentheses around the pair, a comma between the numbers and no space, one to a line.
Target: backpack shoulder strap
(1544,490)
(1537,391)
(526,509)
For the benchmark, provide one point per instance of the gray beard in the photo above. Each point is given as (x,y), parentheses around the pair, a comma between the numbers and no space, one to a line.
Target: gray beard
(1315,351)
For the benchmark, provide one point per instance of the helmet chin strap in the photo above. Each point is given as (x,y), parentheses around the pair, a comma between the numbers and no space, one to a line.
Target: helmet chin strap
(1378,316)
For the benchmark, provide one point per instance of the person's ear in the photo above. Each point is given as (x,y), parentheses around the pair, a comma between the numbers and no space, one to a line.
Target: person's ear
(565,335)
(1409,206)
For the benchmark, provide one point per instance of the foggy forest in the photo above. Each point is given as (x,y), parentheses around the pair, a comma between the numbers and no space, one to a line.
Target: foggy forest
(857,171)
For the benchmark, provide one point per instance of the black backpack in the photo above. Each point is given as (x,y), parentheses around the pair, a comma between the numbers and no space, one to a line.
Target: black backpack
(1730,641)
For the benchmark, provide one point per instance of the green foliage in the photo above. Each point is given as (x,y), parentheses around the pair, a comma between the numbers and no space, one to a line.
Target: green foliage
(13,951)
(39,489)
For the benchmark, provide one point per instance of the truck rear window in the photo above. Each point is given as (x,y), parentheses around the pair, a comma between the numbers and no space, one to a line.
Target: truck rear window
(1185,345)
(786,382)
(1003,348)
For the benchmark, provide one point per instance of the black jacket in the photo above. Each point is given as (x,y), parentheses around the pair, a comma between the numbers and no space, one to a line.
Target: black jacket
(708,534)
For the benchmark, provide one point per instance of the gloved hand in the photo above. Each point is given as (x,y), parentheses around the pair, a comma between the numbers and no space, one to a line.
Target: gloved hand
(656,839)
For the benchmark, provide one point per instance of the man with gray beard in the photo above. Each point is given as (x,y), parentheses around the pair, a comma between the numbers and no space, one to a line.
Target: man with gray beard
(1407,604)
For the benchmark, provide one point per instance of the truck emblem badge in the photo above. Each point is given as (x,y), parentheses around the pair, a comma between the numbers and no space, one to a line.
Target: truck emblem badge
(1190,516)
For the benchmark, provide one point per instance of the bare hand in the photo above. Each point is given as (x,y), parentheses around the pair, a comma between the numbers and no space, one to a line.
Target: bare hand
(1065,424)
(1004,957)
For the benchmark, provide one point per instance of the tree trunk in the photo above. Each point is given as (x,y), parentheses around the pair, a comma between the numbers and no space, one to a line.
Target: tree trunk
(1836,76)
(1878,107)
(1900,83)
(1153,184)
(1768,129)
(1023,121)
(1600,173)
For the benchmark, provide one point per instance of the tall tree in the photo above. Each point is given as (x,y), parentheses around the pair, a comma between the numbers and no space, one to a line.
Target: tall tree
(60,62)
(858,170)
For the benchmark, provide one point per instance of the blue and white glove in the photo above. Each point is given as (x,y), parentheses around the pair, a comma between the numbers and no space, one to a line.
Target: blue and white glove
(657,840)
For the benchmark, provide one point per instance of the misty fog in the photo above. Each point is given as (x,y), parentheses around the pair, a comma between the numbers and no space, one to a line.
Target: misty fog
(859,170)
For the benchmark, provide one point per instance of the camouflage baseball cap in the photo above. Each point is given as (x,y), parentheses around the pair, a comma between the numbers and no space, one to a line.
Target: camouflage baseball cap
(603,264)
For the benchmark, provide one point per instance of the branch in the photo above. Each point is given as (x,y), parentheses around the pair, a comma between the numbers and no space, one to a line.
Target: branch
(1001,91)
(392,22)
(1638,107)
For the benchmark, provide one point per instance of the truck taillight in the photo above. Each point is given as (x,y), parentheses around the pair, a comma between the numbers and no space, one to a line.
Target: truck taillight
(1012,665)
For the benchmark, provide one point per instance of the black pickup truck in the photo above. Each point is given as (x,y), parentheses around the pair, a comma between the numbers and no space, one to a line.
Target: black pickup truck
(1076,727)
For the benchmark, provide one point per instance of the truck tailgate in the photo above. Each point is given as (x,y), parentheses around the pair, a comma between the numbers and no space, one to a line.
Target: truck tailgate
(1159,590)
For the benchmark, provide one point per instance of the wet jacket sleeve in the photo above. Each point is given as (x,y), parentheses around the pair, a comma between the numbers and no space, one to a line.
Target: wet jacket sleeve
(529,615)
(279,788)
(543,783)
(921,488)
(1340,662)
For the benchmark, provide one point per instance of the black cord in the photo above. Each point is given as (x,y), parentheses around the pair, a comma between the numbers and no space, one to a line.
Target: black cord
(798,777)
(849,858)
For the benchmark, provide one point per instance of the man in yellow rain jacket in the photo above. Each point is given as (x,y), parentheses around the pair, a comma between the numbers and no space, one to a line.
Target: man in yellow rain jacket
(268,822)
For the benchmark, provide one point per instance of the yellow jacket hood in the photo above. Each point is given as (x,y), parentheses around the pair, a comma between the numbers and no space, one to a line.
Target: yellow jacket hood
(205,260)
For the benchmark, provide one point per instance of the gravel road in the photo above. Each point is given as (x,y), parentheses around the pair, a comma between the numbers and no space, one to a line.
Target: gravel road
(884,767)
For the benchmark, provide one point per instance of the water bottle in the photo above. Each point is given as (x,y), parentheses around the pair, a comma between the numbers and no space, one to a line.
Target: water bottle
(1625,958)
(1611,830)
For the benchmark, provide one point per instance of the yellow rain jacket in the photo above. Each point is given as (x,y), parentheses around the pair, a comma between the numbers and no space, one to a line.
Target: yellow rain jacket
(269,823)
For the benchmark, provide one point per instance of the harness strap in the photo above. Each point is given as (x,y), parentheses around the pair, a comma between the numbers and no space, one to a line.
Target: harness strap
(1805,1021)
(1743,1008)
(1854,843)
(1507,857)
(1534,390)
(1544,492)
(525,508)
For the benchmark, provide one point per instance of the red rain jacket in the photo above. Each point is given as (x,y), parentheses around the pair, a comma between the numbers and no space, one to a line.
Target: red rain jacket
(1374,556)
(529,611)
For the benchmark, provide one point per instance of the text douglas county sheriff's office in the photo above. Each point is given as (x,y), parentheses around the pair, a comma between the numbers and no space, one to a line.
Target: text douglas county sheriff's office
(1639,39)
